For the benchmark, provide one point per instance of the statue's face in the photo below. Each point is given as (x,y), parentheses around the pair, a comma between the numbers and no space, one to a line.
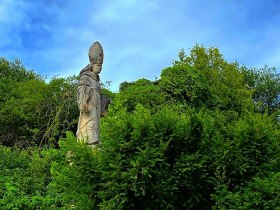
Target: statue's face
(96,68)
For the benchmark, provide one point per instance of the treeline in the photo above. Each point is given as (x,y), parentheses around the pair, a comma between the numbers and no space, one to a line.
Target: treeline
(203,136)
(32,111)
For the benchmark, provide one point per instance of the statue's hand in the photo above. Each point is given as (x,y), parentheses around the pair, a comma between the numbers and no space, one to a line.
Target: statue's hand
(86,108)
(105,101)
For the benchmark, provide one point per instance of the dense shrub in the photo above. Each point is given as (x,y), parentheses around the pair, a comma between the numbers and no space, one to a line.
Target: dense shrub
(203,136)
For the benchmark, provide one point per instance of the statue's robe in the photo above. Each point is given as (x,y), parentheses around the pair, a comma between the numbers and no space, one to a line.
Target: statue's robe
(89,102)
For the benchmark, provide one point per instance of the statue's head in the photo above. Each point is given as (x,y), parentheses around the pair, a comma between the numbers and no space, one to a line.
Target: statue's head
(96,57)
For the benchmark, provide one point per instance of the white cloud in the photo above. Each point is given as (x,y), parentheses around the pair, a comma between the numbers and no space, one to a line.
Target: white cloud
(12,16)
(123,10)
(139,37)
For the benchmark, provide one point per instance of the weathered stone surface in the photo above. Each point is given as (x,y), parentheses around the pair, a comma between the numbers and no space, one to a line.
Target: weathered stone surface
(89,97)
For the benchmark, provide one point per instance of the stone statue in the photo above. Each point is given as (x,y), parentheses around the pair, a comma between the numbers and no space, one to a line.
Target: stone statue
(89,97)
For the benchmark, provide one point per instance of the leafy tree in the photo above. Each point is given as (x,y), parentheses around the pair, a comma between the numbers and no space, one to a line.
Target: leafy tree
(259,193)
(24,177)
(143,91)
(203,136)
(265,84)
(21,93)
(33,111)
(204,78)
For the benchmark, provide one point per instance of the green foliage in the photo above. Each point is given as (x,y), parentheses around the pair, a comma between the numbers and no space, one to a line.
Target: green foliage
(203,136)
(74,176)
(131,162)
(23,178)
(143,91)
(185,84)
(265,84)
(33,111)
(204,78)
(243,149)
(259,193)
(58,109)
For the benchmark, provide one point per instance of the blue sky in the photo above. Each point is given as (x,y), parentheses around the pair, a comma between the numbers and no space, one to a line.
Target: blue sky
(139,37)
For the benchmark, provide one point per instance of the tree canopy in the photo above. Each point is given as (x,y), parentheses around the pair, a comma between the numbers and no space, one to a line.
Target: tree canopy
(205,135)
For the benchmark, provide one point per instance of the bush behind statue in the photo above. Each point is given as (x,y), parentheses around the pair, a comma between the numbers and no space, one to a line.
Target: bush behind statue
(203,136)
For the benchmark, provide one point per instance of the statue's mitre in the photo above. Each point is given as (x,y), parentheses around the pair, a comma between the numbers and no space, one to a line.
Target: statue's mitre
(95,53)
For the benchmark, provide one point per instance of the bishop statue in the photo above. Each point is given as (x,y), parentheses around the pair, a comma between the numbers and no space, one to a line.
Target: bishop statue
(89,97)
